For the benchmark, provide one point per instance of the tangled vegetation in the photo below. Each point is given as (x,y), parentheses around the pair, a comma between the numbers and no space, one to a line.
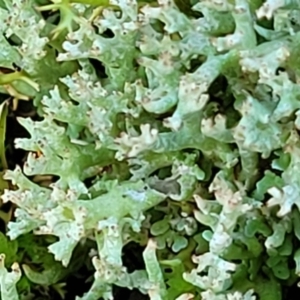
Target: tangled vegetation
(149,150)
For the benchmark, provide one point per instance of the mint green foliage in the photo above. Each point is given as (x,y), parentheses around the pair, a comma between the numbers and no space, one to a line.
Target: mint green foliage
(8,280)
(170,124)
